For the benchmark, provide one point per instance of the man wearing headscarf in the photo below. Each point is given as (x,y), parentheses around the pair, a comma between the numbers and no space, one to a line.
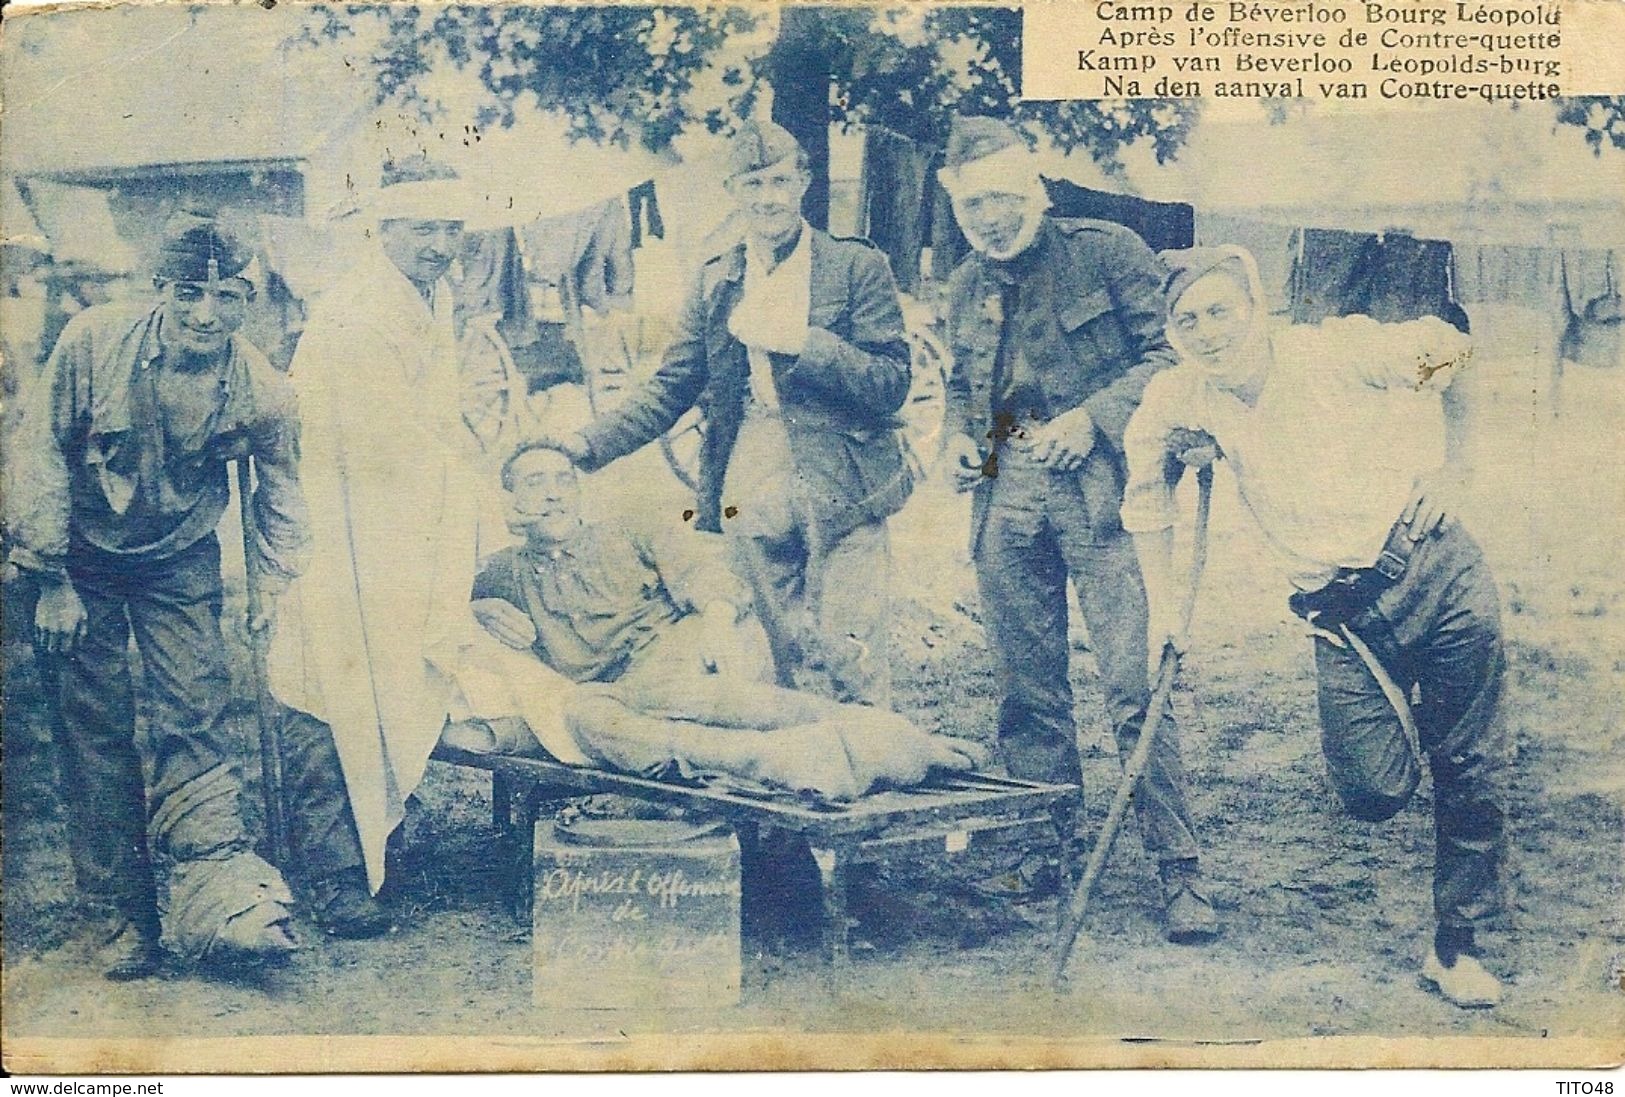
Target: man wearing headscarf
(1055,326)
(1397,594)
(117,480)
(792,343)
(392,477)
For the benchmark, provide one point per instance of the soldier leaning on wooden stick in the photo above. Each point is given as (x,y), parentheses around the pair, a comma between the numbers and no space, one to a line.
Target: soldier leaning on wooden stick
(117,481)
(1399,598)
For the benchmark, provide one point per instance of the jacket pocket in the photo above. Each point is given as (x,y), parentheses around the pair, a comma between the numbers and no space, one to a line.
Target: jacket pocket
(853,480)
(1077,311)
(1092,327)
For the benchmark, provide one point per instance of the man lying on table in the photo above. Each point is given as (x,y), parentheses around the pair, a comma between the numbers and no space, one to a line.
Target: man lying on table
(612,649)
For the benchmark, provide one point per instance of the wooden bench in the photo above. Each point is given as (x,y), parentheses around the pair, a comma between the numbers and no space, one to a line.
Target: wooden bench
(947,816)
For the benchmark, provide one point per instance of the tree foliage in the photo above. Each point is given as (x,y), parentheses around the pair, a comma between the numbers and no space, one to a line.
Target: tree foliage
(911,70)
(631,74)
(1602,117)
(618,74)
(623,74)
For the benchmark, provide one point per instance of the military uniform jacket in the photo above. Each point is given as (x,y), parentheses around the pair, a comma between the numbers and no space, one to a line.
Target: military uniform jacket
(1089,320)
(838,398)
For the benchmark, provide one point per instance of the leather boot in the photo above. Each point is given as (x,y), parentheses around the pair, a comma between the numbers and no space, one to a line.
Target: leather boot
(126,950)
(1453,969)
(1188,915)
(343,906)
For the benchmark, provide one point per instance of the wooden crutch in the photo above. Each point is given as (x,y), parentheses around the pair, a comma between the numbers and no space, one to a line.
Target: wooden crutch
(276,830)
(1134,768)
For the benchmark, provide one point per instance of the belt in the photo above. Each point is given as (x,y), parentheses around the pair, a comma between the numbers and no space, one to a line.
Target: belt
(1353,591)
(1346,600)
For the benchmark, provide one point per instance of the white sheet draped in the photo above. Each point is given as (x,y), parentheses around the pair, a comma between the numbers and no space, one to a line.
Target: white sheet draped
(390,472)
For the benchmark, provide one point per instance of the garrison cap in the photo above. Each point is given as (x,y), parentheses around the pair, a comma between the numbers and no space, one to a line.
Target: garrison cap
(760,144)
(987,154)
(972,137)
(194,248)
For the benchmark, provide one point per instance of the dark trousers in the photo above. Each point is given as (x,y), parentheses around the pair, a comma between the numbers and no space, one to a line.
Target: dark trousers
(1438,634)
(322,835)
(172,608)
(835,605)
(1036,534)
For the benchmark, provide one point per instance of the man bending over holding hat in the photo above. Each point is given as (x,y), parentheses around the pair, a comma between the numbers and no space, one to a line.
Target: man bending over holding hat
(1338,439)
(792,343)
(117,481)
(1055,327)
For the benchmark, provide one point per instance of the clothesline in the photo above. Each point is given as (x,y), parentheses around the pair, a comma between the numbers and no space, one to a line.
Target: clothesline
(1401,276)
(588,253)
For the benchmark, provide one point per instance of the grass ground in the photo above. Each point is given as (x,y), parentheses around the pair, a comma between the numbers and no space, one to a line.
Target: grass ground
(1324,917)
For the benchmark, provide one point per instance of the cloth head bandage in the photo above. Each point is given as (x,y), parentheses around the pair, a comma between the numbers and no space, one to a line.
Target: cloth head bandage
(1187,265)
(422,200)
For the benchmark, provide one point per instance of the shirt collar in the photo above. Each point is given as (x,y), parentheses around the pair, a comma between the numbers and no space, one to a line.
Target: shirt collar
(572,546)
(781,255)
(151,346)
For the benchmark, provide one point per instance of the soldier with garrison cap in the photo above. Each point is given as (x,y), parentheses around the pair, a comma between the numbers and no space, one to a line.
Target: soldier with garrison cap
(1055,326)
(117,479)
(792,344)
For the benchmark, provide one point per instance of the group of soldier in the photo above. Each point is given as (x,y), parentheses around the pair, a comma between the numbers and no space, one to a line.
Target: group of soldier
(1082,366)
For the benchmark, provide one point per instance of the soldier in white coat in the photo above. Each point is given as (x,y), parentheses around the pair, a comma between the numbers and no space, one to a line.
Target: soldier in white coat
(393,488)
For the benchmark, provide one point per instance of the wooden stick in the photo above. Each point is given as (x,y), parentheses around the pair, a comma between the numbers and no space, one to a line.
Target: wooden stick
(276,830)
(1134,768)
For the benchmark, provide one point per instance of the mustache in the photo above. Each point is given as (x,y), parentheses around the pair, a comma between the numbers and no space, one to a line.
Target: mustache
(519,514)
